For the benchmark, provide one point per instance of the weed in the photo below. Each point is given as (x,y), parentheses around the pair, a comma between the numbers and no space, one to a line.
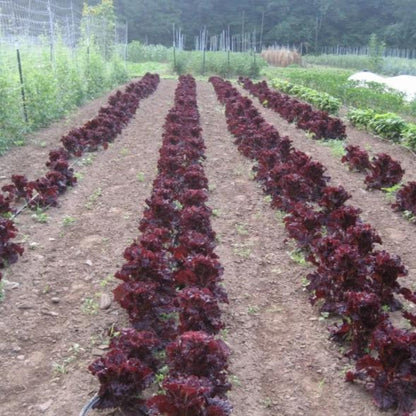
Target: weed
(106,281)
(235,381)
(212,187)
(336,146)
(258,215)
(87,160)
(7,215)
(160,355)
(267,402)
(112,332)
(347,367)
(274,309)
(268,199)
(391,192)
(75,349)
(40,216)
(90,306)
(46,289)
(224,334)
(324,316)
(169,316)
(60,369)
(92,199)
(242,250)
(68,221)
(140,176)
(280,215)
(79,175)
(33,245)
(238,171)
(161,375)
(218,238)
(124,151)
(408,215)
(177,205)
(298,257)
(241,229)
(253,310)
(216,212)
(310,135)
(2,291)
(385,308)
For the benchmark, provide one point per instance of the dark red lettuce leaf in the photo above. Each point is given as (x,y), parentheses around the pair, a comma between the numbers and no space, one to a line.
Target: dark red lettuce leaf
(142,345)
(356,158)
(385,172)
(121,380)
(406,198)
(9,252)
(199,311)
(184,396)
(391,375)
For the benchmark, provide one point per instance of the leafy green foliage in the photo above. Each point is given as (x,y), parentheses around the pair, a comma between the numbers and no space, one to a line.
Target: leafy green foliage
(361,118)
(409,135)
(221,63)
(376,50)
(52,88)
(139,52)
(321,22)
(388,125)
(334,81)
(321,100)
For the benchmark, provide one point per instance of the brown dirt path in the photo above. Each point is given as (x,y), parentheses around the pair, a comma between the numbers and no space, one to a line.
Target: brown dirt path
(282,360)
(50,326)
(397,233)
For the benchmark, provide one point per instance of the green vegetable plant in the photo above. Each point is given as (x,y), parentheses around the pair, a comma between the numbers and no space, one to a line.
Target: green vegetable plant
(360,118)
(388,125)
(409,135)
(320,100)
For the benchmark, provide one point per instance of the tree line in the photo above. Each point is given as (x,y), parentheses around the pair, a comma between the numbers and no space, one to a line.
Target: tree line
(312,23)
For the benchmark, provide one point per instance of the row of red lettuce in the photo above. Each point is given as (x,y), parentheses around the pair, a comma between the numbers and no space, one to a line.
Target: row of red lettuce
(44,191)
(382,171)
(171,289)
(354,282)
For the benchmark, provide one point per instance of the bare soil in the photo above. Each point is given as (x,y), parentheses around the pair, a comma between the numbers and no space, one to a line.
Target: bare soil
(51,325)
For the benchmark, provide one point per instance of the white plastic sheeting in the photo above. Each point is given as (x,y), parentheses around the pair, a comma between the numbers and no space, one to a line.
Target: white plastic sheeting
(402,83)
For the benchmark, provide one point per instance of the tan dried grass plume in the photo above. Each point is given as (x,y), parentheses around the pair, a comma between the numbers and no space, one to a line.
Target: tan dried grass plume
(281,56)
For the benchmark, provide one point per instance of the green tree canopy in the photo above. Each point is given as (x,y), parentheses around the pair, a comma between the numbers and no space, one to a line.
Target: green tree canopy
(311,22)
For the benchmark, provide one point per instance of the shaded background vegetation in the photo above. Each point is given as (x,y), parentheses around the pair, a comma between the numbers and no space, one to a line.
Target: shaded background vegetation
(313,23)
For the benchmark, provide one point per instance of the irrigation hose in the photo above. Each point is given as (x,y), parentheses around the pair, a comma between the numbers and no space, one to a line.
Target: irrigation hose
(94,400)
(22,208)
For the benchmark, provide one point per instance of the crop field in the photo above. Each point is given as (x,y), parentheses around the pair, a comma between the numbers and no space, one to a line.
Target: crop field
(192,247)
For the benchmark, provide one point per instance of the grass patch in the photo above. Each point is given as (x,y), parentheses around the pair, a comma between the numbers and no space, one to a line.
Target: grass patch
(336,146)
(138,69)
